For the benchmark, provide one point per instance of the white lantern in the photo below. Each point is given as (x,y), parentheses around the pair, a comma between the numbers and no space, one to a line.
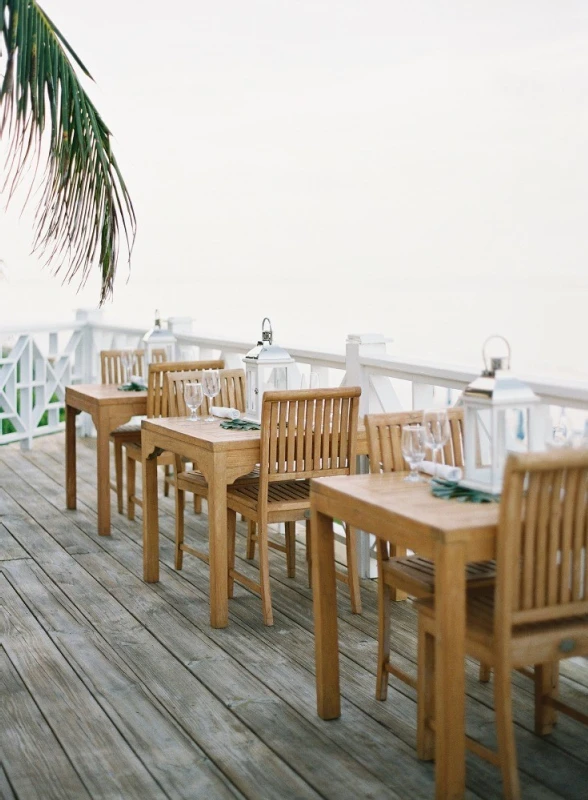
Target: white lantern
(500,415)
(267,367)
(159,338)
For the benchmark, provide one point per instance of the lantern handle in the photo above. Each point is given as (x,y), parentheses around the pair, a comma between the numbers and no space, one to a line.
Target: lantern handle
(267,336)
(495,363)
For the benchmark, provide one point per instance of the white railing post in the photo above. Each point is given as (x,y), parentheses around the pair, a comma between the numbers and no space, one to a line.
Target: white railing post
(179,326)
(86,364)
(25,379)
(423,395)
(356,375)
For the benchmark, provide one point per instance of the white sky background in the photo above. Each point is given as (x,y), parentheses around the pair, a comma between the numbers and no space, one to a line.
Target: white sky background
(418,169)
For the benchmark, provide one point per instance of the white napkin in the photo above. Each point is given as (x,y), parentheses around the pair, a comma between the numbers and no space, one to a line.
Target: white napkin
(138,380)
(225,413)
(441,471)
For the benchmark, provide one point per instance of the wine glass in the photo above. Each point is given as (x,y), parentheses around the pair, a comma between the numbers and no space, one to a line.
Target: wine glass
(413,449)
(210,387)
(436,425)
(561,434)
(126,360)
(193,397)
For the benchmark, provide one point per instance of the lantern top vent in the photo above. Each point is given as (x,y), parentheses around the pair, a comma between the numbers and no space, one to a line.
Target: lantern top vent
(497,385)
(265,351)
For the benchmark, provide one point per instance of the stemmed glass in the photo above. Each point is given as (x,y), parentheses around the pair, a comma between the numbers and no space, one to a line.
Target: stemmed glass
(193,397)
(126,360)
(210,387)
(413,449)
(437,432)
(561,432)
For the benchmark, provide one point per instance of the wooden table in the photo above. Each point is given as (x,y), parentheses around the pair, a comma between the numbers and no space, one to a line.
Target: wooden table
(449,532)
(109,408)
(222,456)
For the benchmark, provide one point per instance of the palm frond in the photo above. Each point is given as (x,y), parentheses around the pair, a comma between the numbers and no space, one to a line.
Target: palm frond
(85,205)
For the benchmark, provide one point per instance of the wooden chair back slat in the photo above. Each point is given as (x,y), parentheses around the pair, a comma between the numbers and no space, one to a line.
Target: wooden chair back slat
(542,538)
(384,433)
(308,433)
(157,386)
(232,393)
(579,543)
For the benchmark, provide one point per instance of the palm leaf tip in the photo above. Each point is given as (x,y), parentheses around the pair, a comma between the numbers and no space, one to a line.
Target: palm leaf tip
(85,205)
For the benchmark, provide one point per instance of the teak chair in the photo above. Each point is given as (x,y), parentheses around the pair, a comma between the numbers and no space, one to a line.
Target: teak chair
(304,434)
(537,613)
(157,403)
(111,371)
(232,394)
(397,572)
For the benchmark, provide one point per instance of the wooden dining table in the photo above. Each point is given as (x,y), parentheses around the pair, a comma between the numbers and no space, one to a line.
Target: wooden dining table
(109,407)
(222,456)
(449,532)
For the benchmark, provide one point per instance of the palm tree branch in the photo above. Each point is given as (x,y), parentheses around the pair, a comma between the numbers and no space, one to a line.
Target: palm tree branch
(85,204)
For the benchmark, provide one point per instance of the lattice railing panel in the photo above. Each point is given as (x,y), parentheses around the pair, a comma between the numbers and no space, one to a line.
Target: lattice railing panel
(32,387)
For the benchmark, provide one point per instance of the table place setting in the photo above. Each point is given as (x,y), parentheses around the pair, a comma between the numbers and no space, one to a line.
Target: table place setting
(135,384)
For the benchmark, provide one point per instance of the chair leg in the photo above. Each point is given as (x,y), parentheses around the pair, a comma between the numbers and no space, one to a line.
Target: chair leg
(167,471)
(251,537)
(179,528)
(352,569)
(546,678)
(291,549)
(197,504)
(131,488)
(231,531)
(507,753)
(266,597)
(309,553)
(383,635)
(118,472)
(484,673)
(425,693)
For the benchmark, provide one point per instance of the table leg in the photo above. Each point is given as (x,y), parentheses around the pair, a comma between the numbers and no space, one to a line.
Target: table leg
(450,671)
(218,546)
(103,472)
(326,639)
(70,457)
(150,511)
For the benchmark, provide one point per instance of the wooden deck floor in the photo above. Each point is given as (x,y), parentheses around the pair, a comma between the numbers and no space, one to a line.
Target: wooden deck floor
(112,688)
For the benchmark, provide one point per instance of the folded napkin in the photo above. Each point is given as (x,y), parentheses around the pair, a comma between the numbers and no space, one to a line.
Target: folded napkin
(133,386)
(225,413)
(463,494)
(441,471)
(240,425)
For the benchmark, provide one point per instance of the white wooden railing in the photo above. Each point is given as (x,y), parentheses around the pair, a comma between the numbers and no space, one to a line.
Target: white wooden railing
(37,363)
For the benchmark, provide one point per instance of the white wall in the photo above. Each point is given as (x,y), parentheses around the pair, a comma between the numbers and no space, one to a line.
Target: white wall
(414,168)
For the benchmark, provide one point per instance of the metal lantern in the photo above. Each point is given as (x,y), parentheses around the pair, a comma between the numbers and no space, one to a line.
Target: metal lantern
(161,339)
(500,414)
(267,367)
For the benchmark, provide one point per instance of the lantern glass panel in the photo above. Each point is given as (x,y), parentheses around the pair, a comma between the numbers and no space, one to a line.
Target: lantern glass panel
(279,378)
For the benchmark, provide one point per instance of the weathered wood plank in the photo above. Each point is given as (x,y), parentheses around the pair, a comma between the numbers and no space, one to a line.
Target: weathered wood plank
(9,547)
(181,768)
(37,764)
(103,760)
(246,760)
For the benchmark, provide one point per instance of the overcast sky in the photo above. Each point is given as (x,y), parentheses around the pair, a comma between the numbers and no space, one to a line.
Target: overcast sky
(419,169)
